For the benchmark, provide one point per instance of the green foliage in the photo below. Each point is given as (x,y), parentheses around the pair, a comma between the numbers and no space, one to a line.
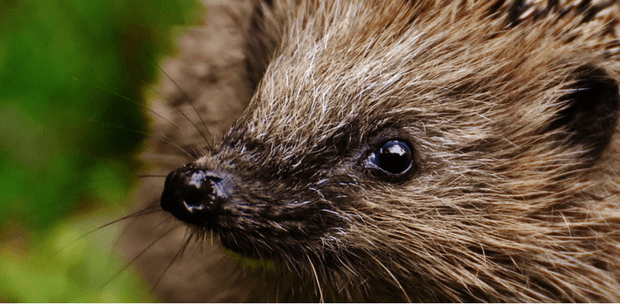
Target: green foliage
(67,70)
(68,265)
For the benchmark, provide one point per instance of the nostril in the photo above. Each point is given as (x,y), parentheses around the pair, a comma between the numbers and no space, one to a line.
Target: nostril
(193,202)
(193,195)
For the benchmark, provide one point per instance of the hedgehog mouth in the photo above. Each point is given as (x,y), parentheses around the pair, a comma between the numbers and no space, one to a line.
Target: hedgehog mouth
(260,238)
(254,225)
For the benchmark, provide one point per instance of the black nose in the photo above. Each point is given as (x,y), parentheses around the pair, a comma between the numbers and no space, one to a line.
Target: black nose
(194,196)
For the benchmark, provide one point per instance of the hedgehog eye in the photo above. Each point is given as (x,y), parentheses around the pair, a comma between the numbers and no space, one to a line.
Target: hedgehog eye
(394,158)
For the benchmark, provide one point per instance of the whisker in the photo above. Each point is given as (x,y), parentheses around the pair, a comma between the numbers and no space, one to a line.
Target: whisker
(171,262)
(141,105)
(74,194)
(131,215)
(393,278)
(188,238)
(152,205)
(164,159)
(162,137)
(195,126)
(207,144)
(139,255)
(151,175)
(190,103)
(318,282)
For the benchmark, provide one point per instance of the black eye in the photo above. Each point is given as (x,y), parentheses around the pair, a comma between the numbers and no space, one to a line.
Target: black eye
(394,158)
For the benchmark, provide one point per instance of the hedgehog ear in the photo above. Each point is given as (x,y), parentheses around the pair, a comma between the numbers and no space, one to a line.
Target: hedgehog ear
(593,105)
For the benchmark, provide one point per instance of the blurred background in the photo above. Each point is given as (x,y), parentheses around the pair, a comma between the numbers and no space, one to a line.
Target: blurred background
(72,78)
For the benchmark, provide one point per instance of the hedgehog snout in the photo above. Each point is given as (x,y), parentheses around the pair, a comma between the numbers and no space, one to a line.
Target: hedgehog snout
(194,196)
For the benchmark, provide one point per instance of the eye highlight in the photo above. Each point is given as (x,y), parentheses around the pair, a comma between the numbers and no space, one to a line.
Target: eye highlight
(394,159)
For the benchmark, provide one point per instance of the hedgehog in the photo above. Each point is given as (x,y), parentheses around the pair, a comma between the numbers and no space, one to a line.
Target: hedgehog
(420,151)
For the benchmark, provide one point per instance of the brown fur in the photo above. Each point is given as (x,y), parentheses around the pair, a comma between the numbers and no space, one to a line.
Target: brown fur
(514,196)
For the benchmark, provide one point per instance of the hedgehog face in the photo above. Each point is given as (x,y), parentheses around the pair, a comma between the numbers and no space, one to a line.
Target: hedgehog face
(403,150)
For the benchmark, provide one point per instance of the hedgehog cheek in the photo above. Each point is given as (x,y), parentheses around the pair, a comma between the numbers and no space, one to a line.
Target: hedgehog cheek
(592,112)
